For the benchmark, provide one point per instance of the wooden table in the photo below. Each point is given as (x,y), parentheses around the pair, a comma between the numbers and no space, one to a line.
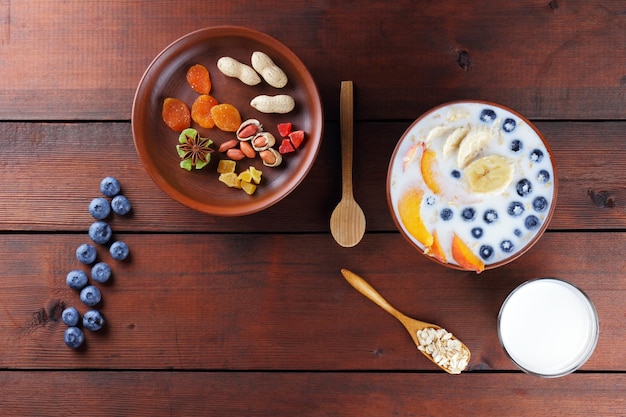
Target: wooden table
(250,316)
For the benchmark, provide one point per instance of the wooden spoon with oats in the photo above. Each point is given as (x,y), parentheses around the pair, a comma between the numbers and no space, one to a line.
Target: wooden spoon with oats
(438,345)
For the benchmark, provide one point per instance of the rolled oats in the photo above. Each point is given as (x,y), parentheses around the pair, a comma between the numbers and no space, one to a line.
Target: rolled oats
(447,352)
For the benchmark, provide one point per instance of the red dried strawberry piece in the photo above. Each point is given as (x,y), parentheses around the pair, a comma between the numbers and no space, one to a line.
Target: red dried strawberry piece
(284,129)
(286,146)
(296,138)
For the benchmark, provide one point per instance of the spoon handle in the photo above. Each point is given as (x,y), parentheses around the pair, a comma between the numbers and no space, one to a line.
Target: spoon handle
(346,113)
(367,290)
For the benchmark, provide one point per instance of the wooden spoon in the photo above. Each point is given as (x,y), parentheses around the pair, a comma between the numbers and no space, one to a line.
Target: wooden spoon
(412,325)
(347,223)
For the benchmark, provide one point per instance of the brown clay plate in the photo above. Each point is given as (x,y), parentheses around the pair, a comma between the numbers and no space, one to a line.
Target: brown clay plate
(156,143)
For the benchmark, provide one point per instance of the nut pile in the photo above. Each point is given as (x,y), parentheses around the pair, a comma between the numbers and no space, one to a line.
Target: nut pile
(445,351)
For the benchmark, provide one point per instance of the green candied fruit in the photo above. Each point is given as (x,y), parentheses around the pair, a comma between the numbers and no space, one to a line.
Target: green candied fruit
(194,150)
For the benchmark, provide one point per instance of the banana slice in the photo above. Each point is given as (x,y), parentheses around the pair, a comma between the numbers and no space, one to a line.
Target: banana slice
(454,140)
(490,174)
(471,146)
(437,132)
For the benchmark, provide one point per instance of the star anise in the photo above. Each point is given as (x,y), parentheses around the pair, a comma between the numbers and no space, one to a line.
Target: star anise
(194,150)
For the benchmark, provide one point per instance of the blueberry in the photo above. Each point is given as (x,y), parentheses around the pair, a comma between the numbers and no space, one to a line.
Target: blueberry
(446,214)
(468,214)
(532,222)
(515,209)
(490,216)
(119,250)
(74,337)
(487,115)
(99,208)
(100,232)
(543,176)
(477,232)
(507,246)
(486,252)
(90,295)
(101,272)
(540,204)
(517,232)
(76,279)
(70,316)
(93,320)
(509,125)
(120,205)
(456,173)
(516,145)
(524,187)
(536,155)
(86,253)
(110,186)
(430,200)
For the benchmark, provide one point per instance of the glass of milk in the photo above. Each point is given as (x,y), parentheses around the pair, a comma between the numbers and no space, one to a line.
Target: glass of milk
(548,327)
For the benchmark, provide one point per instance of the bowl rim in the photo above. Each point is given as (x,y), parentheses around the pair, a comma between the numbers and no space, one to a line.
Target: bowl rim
(539,232)
(315,113)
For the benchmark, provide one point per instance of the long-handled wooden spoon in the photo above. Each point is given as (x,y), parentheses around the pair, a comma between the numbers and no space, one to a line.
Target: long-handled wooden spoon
(412,325)
(347,223)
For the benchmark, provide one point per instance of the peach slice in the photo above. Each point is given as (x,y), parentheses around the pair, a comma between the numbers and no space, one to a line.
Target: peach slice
(464,256)
(436,250)
(430,167)
(409,207)
(408,158)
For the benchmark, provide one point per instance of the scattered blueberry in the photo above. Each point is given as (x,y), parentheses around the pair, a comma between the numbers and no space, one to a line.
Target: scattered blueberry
(86,253)
(517,232)
(456,173)
(490,216)
(540,204)
(468,214)
(110,186)
(446,214)
(90,295)
(74,337)
(516,145)
(507,246)
(99,208)
(70,316)
(543,176)
(101,272)
(486,252)
(509,125)
(430,200)
(532,222)
(487,115)
(120,205)
(119,250)
(536,155)
(76,279)
(515,209)
(100,232)
(93,320)
(524,187)
(477,232)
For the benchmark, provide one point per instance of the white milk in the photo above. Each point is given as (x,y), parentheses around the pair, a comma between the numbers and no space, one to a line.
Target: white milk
(548,327)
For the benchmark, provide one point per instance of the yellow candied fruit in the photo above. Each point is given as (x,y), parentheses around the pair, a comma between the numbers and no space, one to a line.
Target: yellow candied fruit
(226,166)
(255,174)
(230,179)
(248,187)
(245,176)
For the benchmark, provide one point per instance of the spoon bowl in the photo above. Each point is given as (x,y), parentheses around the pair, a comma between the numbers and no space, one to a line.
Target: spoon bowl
(413,326)
(347,223)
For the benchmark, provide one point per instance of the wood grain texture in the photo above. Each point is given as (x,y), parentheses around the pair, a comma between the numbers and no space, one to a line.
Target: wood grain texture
(83,60)
(52,171)
(303,394)
(268,302)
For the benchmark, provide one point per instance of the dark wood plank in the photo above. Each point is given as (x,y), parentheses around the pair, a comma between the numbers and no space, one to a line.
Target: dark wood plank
(302,394)
(197,301)
(52,171)
(555,60)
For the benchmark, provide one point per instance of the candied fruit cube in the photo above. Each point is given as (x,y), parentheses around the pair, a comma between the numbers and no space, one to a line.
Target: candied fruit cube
(226,166)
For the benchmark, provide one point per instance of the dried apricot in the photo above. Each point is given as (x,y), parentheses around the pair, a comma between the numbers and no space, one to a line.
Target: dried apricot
(176,114)
(226,117)
(199,79)
(201,110)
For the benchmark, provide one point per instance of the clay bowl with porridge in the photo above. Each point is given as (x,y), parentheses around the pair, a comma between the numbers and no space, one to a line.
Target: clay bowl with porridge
(472,185)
